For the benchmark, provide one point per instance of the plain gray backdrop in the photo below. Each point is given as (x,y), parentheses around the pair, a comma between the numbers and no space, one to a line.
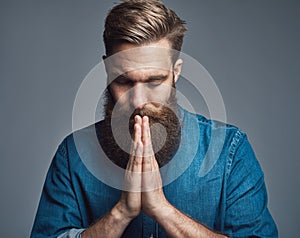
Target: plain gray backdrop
(250,47)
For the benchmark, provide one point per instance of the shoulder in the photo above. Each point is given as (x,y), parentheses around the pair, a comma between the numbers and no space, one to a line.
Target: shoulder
(207,127)
(220,142)
(78,143)
(86,133)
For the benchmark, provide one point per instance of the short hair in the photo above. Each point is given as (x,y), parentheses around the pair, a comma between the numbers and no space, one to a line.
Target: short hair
(141,22)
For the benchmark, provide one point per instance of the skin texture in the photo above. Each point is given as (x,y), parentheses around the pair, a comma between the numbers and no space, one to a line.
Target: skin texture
(149,86)
(142,183)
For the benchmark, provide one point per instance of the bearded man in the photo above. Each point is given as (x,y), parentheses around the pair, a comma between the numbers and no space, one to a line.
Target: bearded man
(158,145)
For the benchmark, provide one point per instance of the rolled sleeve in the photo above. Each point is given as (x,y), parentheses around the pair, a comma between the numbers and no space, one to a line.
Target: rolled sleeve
(73,233)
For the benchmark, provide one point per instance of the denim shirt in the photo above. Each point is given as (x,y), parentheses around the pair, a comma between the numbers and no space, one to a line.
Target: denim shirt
(217,182)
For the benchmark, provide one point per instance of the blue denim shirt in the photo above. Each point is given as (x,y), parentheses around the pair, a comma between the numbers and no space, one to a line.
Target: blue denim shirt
(223,189)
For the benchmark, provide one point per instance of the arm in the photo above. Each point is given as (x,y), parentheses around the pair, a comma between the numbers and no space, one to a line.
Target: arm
(154,203)
(246,213)
(143,191)
(114,223)
(58,213)
(177,224)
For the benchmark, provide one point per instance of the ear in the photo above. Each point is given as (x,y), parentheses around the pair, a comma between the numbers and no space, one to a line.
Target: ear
(177,69)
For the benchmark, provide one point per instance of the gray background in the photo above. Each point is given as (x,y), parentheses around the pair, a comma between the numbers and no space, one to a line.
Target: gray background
(250,47)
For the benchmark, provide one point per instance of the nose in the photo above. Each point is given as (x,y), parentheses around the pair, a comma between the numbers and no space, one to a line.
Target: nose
(138,96)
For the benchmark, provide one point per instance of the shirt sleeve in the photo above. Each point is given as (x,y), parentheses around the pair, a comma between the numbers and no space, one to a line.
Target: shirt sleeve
(247,214)
(58,213)
(73,233)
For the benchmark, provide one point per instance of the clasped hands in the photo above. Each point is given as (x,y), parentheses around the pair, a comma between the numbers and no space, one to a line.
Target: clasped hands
(143,184)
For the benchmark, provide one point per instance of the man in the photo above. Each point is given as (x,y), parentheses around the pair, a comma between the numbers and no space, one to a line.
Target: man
(142,68)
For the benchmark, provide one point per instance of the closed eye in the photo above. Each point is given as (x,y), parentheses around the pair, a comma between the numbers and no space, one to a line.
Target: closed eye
(123,81)
(155,82)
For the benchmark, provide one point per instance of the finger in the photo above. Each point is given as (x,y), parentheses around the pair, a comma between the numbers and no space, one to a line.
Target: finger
(154,163)
(137,136)
(147,150)
(133,176)
(149,175)
(134,166)
(146,135)
(138,158)
(136,139)
(136,172)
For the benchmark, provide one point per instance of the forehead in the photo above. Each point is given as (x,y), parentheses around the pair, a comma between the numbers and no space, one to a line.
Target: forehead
(127,57)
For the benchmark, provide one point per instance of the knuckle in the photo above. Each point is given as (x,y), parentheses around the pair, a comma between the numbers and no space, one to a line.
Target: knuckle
(137,162)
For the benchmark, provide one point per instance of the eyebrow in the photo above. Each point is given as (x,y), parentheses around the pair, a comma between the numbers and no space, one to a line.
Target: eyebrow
(162,77)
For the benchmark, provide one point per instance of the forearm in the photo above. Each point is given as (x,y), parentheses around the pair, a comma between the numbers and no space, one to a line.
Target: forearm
(111,225)
(177,224)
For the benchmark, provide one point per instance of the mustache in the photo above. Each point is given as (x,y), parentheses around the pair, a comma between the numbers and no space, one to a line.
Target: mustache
(145,111)
(152,113)
(156,115)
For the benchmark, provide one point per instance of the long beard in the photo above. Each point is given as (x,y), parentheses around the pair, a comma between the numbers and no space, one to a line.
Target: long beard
(165,141)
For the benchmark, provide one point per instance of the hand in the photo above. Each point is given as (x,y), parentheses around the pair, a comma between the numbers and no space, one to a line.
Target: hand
(130,201)
(143,191)
(153,198)
(143,184)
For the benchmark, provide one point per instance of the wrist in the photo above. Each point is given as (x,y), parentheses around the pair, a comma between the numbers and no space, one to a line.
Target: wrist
(120,215)
(163,212)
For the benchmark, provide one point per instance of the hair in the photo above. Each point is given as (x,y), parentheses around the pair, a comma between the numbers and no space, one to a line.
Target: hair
(141,22)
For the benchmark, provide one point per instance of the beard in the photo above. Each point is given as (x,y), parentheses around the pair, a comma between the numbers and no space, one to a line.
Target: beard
(165,129)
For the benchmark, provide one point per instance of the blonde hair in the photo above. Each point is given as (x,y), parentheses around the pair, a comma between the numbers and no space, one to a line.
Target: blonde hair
(141,22)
